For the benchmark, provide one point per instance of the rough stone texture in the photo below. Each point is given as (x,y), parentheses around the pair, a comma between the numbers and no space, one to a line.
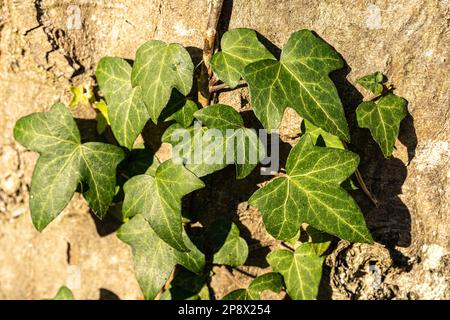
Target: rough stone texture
(41,54)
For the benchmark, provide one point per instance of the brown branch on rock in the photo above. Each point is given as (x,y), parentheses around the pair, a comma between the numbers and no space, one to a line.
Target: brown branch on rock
(224,86)
(214,10)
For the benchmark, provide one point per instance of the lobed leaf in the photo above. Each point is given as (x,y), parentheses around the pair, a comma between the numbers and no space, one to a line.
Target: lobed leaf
(157,69)
(158,199)
(383,119)
(300,81)
(63,163)
(154,259)
(310,192)
(126,110)
(240,47)
(214,143)
(372,82)
(301,270)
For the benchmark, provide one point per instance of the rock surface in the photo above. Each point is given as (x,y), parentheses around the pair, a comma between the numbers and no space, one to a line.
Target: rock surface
(47,45)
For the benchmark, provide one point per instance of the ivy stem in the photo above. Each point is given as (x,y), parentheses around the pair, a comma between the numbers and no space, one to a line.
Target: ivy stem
(364,187)
(362,183)
(287,246)
(214,10)
(222,86)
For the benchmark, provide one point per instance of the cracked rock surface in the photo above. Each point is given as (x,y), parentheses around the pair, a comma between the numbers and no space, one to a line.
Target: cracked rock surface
(47,45)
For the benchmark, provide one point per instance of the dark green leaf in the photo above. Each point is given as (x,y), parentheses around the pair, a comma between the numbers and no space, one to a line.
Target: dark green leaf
(180,109)
(383,119)
(241,143)
(65,162)
(228,247)
(269,281)
(240,47)
(220,116)
(158,198)
(372,82)
(154,260)
(301,270)
(299,80)
(320,241)
(310,192)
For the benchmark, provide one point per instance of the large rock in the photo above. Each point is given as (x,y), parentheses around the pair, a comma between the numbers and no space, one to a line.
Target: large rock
(47,45)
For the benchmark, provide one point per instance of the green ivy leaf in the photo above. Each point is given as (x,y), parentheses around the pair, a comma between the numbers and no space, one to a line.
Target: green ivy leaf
(383,119)
(140,160)
(102,116)
(321,137)
(320,241)
(310,192)
(158,68)
(269,281)
(126,110)
(64,293)
(299,80)
(180,109)
(240,47)
(154,260)
(228,247)
(301,270)
(63,163)
(158,199)
(185,285)
(247,148)
(80,95)
(372,82)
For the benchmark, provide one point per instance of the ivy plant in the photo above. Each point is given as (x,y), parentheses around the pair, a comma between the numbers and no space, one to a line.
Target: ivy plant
(303,207)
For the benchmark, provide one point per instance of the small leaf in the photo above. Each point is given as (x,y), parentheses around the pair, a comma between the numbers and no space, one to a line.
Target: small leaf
(220,116)
(300,81)
(211,149)
(228,247)
(140,160)
(103,108)
(383,119)
(320,241)
(102,117)
(158,199)
(372,82)
(310,192)
(180,109)
(240,47)
(269,281)
(80,95)
(158,68)
(322,138)
(185,286)
(126,110)
(64,293)
(154,260)
(63,163)
(301,270)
